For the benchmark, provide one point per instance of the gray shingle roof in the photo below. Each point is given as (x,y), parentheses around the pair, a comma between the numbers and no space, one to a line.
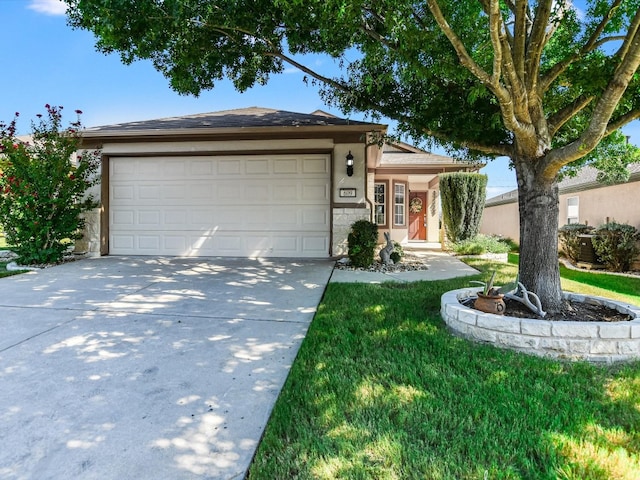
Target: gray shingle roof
(238,118)
(408,158)
(403,154)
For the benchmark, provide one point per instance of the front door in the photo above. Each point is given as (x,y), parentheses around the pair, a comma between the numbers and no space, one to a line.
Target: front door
(418,216)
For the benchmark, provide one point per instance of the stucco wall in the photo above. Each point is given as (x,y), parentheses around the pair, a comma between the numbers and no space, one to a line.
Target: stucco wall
(340,177)
(501,220)
(596,206)
(618,203)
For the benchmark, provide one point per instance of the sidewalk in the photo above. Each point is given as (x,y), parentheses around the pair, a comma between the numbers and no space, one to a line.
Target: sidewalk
(441,266)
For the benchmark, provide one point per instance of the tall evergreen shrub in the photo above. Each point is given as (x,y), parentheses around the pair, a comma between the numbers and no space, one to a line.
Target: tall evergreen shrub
(463,196)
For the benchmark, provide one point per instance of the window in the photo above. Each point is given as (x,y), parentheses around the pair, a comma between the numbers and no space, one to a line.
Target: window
(380,204)
(399,199)
(573,206)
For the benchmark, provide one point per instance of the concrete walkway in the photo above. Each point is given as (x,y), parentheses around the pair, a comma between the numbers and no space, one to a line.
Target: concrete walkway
(441,266)
(147,368)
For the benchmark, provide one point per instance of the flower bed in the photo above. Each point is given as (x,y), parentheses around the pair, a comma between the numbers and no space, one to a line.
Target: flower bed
(592,341)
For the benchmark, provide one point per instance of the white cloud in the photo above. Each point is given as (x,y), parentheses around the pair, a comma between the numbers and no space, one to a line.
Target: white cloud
(48,7)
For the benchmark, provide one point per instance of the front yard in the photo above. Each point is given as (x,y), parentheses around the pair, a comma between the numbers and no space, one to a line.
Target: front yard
(381,390)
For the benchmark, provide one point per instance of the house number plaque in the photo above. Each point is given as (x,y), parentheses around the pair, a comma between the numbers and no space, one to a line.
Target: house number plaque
(348,192)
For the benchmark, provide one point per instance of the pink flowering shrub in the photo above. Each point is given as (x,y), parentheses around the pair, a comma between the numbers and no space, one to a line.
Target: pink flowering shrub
(43,185)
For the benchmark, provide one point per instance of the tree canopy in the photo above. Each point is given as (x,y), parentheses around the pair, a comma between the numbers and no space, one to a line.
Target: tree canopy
(547,83)
(495,77)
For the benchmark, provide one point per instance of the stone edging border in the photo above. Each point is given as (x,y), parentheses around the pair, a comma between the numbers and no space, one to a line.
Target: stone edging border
(602,342)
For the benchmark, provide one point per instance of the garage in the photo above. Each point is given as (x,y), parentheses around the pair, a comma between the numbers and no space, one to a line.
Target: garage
(249,182)
(274,205)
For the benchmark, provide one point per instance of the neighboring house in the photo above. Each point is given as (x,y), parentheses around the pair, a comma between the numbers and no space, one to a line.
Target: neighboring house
(582,200)
(255,182)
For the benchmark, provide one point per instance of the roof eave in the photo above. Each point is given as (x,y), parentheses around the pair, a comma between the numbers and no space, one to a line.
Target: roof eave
(212,132)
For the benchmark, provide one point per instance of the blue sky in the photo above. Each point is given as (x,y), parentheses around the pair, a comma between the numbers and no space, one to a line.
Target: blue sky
(45,61)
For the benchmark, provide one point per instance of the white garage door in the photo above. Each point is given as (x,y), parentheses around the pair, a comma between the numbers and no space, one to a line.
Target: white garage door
(270,206)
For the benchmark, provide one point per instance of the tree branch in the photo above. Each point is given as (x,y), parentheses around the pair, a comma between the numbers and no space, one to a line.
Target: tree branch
(275,52)
(589,46)
(498,150)
(633,29)
(502,45)
(463,55)
(622,121)
(562,116)
(519,11)
(491,82)
(536,41)
(599,123)
(329,81)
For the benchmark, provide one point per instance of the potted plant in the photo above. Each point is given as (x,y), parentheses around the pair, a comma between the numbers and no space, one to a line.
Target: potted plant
(491,300)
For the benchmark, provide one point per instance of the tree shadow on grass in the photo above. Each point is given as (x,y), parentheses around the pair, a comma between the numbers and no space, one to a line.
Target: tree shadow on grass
(381,389)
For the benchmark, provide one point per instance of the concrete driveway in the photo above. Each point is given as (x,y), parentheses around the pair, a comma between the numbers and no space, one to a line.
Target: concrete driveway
(147,368)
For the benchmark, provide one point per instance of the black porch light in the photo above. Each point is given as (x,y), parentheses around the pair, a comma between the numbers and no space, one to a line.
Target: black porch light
(349,164)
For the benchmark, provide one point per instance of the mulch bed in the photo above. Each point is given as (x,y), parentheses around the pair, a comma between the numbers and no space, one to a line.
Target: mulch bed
(573,312)
(409,263)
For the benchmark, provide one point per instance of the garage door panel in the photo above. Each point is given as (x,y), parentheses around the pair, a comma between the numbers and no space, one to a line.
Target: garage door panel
(285,165)
(229,167)
(122,193)
(257,167)
(123,242)
(315,165)
(123,218)
(151,218)
(317,218)
(230,206)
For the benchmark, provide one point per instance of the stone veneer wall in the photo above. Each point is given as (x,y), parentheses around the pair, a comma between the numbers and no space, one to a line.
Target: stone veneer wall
(90,243)
(343,218)
(593,341)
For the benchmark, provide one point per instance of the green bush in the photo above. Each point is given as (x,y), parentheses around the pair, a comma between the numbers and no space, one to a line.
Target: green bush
(616,245)
(569,241)
(398,253)
(463,196)
(43,187)
(363,240)
(482,244)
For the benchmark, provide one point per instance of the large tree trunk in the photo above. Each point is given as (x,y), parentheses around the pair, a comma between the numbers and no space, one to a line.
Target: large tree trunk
(538,201)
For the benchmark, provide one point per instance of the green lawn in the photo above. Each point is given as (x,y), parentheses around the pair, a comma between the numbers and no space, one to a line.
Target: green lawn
(381,390)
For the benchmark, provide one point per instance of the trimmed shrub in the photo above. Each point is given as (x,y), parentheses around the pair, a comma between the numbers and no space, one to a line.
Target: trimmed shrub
(463,196)
(398,253)
(568,235)
(363,240)
(481,244)
(616,245)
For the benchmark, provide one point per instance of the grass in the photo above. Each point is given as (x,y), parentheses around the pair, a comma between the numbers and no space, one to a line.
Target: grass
(381,390)
(616,287)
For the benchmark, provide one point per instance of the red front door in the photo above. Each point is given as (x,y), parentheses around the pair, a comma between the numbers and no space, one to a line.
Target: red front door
(417,215)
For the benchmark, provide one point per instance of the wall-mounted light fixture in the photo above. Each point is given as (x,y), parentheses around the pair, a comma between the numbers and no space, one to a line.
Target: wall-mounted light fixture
(349,164)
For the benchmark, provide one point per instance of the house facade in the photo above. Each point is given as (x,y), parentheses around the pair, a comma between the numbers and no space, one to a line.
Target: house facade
(582,200)
(255,182)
